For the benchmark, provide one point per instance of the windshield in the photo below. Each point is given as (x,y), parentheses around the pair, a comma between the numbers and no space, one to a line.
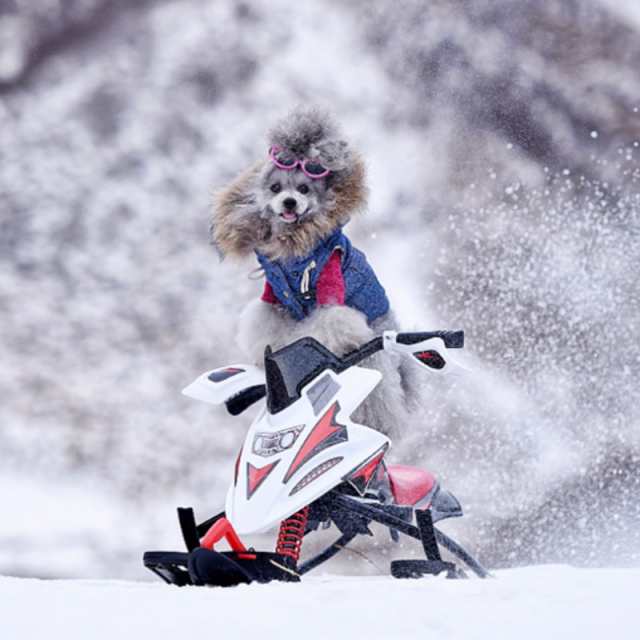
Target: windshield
(294,366)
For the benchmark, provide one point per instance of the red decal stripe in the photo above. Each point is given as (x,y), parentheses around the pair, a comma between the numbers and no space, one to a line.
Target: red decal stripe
(367,470)
(361,476)
(323,430)
(256,476)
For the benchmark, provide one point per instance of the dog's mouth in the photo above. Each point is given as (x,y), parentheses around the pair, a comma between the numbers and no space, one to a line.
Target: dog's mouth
(291,217)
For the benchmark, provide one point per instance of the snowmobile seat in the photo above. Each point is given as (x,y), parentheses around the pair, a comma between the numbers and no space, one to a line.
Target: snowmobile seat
(410,485)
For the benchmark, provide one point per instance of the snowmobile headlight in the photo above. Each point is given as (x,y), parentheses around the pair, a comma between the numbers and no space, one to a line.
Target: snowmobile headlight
(268,444)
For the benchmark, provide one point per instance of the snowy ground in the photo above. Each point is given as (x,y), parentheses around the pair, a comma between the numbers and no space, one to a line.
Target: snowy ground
(538,602)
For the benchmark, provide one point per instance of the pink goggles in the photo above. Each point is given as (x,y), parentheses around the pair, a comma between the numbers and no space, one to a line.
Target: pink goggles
(286,161)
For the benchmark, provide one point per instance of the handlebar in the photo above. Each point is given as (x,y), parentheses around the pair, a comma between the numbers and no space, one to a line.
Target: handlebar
(451,339)
(323,358)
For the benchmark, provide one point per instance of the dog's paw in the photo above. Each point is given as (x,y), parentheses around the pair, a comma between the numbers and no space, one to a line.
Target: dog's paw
(339,328)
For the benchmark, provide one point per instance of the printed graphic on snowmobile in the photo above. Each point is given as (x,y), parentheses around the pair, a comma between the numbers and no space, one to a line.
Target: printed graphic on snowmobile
(304,463)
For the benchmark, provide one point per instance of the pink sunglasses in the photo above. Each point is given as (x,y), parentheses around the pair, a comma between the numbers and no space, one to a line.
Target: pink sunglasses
(285,161)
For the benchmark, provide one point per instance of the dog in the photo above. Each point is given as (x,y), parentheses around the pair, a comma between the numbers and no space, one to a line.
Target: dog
(290,209)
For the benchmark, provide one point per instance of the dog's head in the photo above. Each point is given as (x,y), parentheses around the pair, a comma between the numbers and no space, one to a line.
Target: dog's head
(285,212)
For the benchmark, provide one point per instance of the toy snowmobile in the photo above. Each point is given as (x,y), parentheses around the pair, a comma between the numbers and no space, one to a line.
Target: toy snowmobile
(304,464)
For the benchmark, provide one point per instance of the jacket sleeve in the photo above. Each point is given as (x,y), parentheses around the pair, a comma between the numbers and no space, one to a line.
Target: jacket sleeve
(330,287)
(268,295)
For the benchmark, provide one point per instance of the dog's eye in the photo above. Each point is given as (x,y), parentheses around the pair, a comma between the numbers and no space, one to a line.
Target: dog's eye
(303,188)
(275,187)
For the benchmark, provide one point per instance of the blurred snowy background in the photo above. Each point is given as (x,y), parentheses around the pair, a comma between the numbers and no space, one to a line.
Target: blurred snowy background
(502,140)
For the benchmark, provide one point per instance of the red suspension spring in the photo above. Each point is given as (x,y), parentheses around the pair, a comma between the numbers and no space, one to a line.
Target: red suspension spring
(291,534)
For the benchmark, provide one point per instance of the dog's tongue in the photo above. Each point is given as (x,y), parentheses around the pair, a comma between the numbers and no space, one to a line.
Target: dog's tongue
(289,216)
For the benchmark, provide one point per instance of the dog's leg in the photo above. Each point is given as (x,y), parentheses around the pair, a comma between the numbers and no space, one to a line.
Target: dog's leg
(339,328)
(389,408)
(342,329)
(412,379)
(261,324)
(385,408)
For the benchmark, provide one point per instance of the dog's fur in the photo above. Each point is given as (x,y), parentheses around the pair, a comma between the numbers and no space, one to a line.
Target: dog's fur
(250,214)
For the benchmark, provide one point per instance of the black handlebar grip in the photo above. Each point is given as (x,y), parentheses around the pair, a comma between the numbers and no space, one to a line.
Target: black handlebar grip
(452,339)
(242,401)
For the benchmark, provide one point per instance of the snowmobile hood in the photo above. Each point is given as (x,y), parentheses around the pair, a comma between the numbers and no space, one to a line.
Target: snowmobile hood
(292,457)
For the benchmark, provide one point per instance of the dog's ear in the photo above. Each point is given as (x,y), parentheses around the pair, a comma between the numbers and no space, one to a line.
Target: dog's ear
(333,154)
(237,226)
(349,191)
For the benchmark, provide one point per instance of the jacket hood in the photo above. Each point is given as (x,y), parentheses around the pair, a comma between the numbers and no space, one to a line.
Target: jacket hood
(239,225)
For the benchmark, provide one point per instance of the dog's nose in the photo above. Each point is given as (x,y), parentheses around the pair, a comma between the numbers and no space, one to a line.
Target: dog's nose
(290,203)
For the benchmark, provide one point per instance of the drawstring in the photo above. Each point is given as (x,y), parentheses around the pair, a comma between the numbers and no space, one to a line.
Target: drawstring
(305,283)
(306,278)
(256,274)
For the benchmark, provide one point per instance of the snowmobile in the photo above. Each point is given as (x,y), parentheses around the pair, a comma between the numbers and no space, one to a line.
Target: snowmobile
(306,465)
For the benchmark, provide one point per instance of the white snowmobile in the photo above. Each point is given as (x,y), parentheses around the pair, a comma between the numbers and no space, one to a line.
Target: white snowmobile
(305,464)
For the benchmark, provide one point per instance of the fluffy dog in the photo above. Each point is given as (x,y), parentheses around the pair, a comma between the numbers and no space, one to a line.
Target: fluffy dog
(289,209)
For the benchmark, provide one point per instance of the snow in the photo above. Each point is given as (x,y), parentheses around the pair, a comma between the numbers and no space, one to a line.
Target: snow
(111,299)
(626,9)
(530,603)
